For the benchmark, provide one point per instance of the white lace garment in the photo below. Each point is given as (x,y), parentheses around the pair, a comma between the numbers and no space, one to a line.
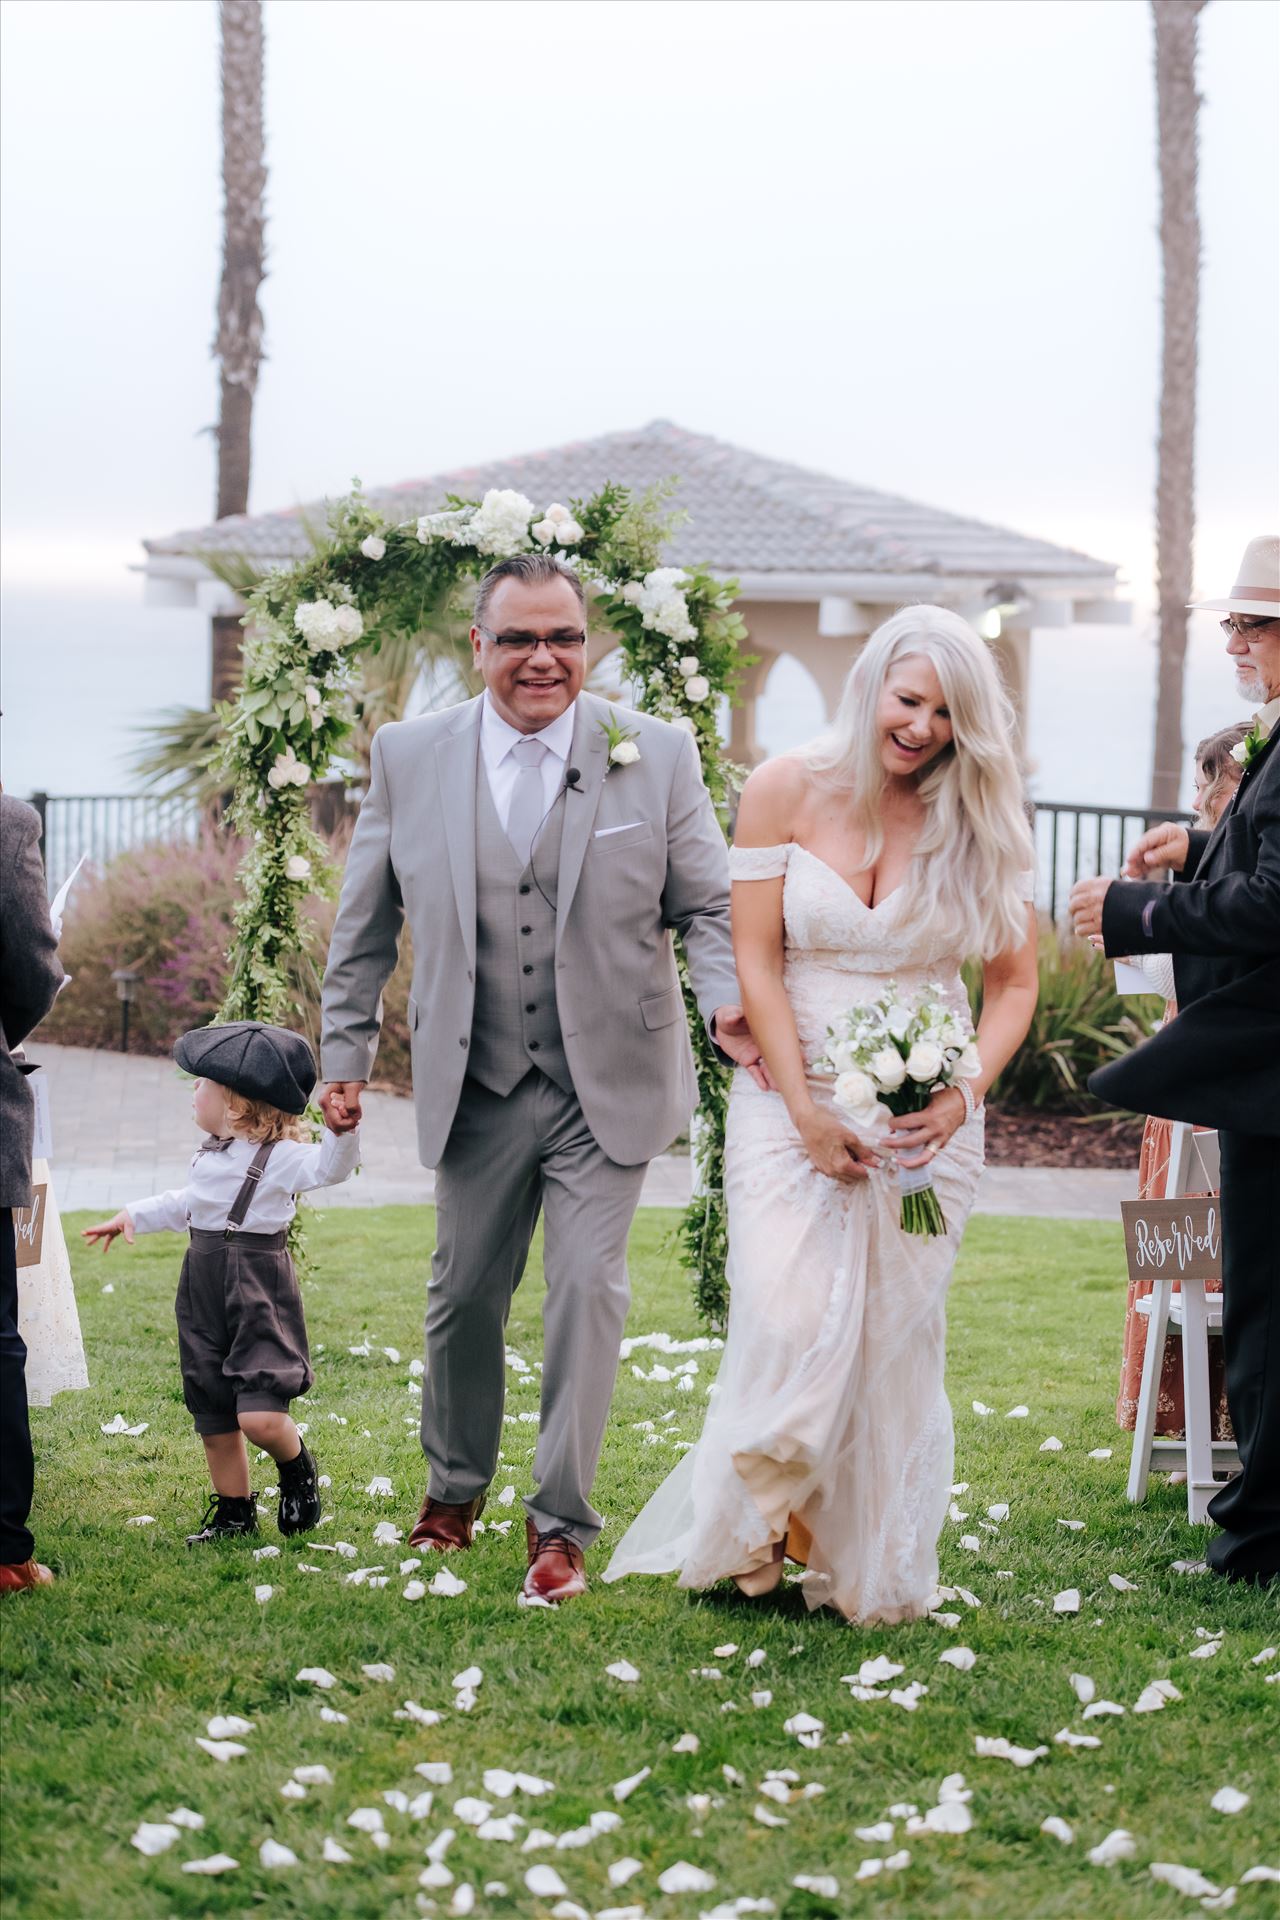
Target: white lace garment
(830,1406)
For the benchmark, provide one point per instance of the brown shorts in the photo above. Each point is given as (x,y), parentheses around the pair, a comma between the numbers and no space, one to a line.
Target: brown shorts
(241,1332)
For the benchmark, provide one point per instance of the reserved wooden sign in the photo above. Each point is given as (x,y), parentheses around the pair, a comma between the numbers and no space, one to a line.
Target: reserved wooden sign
(1173,1239)
(28,1228)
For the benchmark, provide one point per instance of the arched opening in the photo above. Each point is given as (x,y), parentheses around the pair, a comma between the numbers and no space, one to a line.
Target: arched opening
(790,708)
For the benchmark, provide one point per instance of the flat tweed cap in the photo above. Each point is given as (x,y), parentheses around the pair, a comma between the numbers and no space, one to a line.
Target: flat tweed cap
(258,1061)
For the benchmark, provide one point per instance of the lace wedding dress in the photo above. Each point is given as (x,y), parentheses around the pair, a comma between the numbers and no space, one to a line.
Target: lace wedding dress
(829,1421)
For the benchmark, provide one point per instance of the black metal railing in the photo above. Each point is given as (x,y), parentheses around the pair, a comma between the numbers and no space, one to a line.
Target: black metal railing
(1072,841)
(1076,842)
(105,824)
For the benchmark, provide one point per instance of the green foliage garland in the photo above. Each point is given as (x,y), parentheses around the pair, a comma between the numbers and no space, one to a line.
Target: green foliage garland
(370,581)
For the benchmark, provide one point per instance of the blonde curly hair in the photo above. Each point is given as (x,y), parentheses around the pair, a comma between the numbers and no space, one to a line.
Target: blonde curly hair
(259,1121)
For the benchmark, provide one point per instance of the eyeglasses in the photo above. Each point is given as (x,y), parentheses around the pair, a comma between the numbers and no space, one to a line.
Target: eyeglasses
(1245,624)
(525,643)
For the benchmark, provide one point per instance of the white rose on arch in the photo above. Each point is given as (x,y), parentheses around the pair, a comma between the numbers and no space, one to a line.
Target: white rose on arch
(544,531)
(633,593)
(688,666)
(685,724)
(568,533)
(373,547)
(296,867)
(697,687)
(288,771)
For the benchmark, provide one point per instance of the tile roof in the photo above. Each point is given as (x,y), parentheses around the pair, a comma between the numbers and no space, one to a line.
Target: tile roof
(747,513)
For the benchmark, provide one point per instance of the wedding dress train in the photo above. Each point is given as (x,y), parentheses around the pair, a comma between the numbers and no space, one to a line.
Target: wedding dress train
(829,1421)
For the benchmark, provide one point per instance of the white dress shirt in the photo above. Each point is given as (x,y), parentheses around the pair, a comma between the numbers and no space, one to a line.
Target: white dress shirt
(217,1177)
(496,742)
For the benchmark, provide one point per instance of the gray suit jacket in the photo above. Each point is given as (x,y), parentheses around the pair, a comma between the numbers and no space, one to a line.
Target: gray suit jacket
(619,896)
(30,975)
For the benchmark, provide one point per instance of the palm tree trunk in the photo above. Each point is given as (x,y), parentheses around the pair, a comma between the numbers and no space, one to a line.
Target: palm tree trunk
(1177,104)
(238,346)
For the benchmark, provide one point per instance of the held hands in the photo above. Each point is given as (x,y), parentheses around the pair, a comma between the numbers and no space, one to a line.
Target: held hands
(733,1036)
(340,1105)
(919,1137)
(106,1230)
(834,1149)
(1085,903)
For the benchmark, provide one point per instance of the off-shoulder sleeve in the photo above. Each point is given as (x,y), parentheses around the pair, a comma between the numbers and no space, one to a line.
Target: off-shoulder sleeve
(758,863)
(1027,884)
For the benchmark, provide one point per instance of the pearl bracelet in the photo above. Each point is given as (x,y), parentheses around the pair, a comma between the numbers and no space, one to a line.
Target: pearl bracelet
(970,1104)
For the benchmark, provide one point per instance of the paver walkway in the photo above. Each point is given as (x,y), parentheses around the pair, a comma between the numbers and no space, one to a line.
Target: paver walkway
(122,1129)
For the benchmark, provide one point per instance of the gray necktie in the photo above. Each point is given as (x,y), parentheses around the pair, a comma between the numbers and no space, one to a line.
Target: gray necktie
(525,814)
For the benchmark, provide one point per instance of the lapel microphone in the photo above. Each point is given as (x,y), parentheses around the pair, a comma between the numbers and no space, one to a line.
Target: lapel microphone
(572,779)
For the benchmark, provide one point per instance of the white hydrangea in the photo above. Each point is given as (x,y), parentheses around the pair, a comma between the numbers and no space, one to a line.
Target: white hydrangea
(633,592)
(450,525)
(500,524)
(327,628)
(288,771)
(373,548)
(663,608)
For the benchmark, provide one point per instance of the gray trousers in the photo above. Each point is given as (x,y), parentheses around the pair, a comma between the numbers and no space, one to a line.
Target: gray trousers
(508,1159)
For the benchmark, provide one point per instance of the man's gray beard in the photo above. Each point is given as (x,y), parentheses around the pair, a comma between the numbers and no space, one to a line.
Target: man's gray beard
(1251,686)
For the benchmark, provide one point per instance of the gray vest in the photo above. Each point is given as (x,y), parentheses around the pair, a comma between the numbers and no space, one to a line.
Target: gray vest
(516,1024)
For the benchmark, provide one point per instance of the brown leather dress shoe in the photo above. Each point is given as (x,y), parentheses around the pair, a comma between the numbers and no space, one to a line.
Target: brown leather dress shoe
(446,1527)
(18,1577)
(555,1571)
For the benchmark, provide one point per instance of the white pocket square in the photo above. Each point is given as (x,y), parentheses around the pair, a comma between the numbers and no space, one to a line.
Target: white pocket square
(602,833)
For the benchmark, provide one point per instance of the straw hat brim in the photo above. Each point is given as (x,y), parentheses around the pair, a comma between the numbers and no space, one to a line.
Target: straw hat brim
(1268,609)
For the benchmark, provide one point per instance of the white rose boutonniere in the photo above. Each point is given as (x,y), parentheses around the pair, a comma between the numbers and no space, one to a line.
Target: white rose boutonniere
(1246,751)
(623,751)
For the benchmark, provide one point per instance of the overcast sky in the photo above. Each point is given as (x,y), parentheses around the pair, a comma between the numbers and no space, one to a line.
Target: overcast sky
(911,242)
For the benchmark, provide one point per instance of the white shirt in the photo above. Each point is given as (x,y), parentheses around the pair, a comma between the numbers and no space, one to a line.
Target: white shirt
(496,742)
(216,1178)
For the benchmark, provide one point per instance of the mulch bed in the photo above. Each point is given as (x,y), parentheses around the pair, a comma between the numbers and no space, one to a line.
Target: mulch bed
(1025,1137)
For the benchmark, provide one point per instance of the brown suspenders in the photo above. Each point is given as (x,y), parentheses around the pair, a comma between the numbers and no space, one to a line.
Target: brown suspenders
(244,1199)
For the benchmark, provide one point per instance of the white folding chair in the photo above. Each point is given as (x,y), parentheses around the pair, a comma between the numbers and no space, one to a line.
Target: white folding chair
(1194,1315)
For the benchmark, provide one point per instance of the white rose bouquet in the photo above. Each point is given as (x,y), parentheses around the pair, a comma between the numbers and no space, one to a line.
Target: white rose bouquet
(888,1057)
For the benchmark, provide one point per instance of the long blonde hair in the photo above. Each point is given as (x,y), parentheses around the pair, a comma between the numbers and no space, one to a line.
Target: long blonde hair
(973,892)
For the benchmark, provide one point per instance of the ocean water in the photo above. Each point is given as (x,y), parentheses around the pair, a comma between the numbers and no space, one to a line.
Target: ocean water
(82,675)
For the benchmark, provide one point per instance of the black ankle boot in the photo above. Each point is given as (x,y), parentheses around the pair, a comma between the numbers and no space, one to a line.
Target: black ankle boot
(299,1508)
(226,1517)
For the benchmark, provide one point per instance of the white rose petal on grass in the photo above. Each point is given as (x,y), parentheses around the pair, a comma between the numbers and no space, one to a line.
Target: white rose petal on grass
(544,1883)
(1068,1601)
(1083,1688)
(154,1836)
(266,1553)
(687,1743)
(624,1671)
(366,1819)
(227,1726)
(149,1520)
(623,1871)
(317,1676)
(1206,1651)
(1051,1445)
(1000,1511)
(222,1749)
(766,1818)
(387,1534)
(961,1658)
(1018,1413)
(878,1835)
(471,1812)
(1156,1697)
(1066,1738)
(293,1790)
(981,1408)
(263,1594)
(623,1789)
(1002,1749)
(1099,1453)
(1057,1829)
(435,1875)
(415,1590)
(1121,1585)
(273,1854)
(184,1817)
(1097,1709)
(684,1878)
(1072,1526)
(1258,1875)
(317,1776)
(380,1487)
(121,1425)
(335,1853)
(215,1863)
(1118,1845)
(1229,1800)
(1188,1880)
(445,1585)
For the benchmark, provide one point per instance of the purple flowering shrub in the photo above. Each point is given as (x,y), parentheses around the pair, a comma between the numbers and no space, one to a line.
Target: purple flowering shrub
(166,911)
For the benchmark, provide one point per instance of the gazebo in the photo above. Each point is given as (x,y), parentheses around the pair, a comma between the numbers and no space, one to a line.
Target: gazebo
(820,561)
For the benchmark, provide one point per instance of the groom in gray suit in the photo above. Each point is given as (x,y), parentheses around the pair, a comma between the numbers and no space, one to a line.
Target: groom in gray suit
(542,880)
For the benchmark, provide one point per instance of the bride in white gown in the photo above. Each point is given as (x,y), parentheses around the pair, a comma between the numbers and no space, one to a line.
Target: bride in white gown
(888,850)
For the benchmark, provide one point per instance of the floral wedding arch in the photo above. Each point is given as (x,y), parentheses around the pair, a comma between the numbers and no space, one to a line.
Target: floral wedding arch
(307,625)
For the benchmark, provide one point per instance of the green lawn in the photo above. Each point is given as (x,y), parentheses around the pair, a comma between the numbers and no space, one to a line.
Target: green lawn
(112,1675)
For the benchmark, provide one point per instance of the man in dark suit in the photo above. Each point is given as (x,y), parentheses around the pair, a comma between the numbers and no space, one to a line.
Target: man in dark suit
(30,976)
(1218,1063)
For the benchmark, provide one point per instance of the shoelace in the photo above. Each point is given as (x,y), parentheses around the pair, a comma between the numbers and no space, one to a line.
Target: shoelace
(554,1538)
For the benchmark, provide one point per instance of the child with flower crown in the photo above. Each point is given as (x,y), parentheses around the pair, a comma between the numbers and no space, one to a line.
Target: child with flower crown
(242,1337)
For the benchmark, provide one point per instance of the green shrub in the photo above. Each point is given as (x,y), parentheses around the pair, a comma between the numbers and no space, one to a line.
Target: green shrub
(1080,1023)
(165,910)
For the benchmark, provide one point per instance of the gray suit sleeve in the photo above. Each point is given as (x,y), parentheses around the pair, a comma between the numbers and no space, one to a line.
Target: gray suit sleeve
(30,971)
(365,939)
(695,900)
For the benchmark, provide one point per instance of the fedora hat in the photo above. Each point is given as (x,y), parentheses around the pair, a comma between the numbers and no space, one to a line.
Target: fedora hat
(1257,587)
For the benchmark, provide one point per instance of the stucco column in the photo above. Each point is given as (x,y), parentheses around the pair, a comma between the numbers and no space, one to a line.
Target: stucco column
(1013,657)
(744,746)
